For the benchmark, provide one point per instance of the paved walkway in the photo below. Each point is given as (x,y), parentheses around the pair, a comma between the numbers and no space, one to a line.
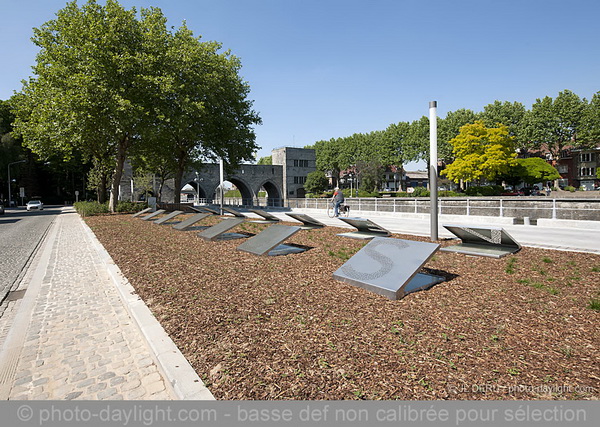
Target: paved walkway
(74,335)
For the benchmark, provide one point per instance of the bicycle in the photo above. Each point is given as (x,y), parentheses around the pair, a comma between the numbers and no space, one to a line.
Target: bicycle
(344,210)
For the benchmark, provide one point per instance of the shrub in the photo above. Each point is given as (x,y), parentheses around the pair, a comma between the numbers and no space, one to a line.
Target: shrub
(484,190)
(90,208)
(123,206)
(570,188)
(363,193)
(420,192)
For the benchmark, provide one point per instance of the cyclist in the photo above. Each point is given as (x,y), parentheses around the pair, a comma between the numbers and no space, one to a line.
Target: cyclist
(337,200)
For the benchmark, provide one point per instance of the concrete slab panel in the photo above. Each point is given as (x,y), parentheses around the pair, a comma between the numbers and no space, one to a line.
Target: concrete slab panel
(185,224)
(367,229)
(269,239)
(168,217)
(266,215)
(233,212)
(494,242)
(218,231)
(205,209)
(152,215)
(390,267)
(307,221)
(142,212)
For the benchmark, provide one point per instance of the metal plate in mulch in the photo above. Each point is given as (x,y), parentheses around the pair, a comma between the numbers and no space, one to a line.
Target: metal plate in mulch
(219,231)
(269,241)
(308,222)
(268,218)
(205,209)
(153,214)
(367,229)
(494,242)
(168,217)
(233,212)
(390,267)
(185,224)
(142,212)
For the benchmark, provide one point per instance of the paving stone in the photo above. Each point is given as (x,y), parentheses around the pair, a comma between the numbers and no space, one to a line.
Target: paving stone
(73,395)
(81,342)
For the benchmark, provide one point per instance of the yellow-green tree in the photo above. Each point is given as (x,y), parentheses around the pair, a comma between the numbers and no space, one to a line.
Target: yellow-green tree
(481,153)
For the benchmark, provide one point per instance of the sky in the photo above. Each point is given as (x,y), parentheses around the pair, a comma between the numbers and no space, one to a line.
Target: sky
(322,69)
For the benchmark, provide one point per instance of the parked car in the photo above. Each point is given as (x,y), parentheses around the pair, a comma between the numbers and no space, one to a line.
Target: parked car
(1,209)
(35,204)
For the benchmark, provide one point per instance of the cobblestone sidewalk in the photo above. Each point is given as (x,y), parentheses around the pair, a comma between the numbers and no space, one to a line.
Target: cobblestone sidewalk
(79,341)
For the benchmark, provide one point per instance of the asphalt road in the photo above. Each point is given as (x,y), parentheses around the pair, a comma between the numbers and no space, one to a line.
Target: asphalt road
(20,234)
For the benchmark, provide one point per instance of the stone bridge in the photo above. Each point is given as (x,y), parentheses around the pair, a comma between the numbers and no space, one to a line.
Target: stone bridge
(281,180)
(249,180)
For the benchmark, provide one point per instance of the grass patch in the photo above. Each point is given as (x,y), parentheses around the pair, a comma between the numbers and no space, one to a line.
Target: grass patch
(594,304)
(511,265)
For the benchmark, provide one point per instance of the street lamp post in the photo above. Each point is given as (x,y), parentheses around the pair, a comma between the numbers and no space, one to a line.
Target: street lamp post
(13,163)
(198,181)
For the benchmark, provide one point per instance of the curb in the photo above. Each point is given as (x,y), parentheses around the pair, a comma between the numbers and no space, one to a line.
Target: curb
(183,379)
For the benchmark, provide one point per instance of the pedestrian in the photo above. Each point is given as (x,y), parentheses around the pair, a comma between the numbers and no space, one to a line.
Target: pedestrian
(337,200)
(548,190)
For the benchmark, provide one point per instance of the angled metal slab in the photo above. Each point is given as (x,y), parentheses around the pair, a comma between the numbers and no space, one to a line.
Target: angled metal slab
(308,222)
(268,218)
(390,267)
(269,241)
(168,217)
(153,214)
(489,241)
(233,212)
(185,224)
(219,231)
(205,209)
(142,212)
(367,229)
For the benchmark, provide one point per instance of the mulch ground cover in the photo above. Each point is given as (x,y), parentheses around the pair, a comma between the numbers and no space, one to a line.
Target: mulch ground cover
(520,327)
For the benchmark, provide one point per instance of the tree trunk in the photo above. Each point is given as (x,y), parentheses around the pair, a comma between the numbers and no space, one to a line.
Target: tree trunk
(116,179)
(181,164)
(102,190)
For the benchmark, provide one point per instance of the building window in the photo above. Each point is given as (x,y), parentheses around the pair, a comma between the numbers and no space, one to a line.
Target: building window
(563,169)
(586,157)
(300,163)
(587,172)
(299,179)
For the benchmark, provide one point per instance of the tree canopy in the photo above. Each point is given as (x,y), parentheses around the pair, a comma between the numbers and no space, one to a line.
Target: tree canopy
(112,85)
(535,169)
(481,152)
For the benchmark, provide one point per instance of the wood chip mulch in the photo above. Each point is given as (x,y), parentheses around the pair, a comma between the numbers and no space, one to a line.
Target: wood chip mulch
(520,327)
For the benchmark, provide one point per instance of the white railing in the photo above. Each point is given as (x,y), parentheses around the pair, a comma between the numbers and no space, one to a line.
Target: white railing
(517,207)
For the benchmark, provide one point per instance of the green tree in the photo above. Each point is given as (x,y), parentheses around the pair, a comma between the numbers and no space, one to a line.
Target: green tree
(535,169)
(481,153)
(590,123)
(108,83)
(448,128)
(93,85)
(267,160)
(316,182)
(555,123)
(329,157)
(510,114)
(398,146)
(203,112)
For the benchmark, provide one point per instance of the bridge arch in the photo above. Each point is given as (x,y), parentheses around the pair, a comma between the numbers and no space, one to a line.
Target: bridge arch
(274,195)
(248,195)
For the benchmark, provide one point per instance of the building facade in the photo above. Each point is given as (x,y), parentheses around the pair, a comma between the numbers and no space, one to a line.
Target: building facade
(296,163)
